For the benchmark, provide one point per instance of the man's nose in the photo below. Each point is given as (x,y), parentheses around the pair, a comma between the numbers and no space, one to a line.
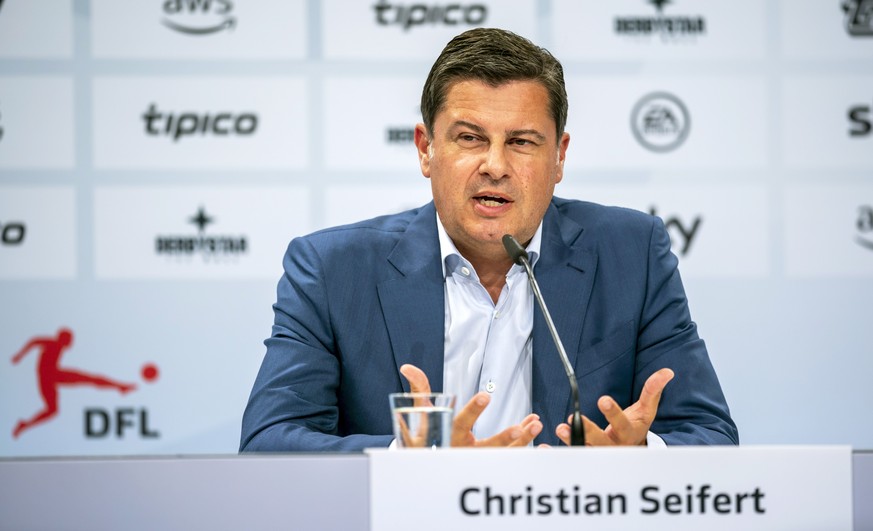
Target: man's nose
(495,164)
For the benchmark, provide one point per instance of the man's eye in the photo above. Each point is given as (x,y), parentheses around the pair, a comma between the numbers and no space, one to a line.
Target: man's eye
(521,142)
(468,138)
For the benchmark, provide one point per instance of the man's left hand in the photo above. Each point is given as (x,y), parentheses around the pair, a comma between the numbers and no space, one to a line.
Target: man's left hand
(628,427)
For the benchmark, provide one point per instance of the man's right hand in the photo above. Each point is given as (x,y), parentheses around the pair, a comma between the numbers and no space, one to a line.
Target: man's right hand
(462,428)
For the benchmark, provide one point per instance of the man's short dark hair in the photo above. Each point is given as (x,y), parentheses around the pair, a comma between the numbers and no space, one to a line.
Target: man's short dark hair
(493,56)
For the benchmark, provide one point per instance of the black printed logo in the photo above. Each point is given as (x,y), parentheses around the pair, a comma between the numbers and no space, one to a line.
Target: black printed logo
(682,234)
(859,17)
(210,247)
(864,225)
(12,233)
(660,122)
(198,17)
(669,27)
(408,16)
(400,135)
(188,123)
(860,123)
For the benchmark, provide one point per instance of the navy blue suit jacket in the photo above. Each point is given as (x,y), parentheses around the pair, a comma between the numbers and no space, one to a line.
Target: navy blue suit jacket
(356,302)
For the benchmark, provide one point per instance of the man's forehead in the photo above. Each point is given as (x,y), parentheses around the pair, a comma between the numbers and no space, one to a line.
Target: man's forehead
(462,84)
(456,111)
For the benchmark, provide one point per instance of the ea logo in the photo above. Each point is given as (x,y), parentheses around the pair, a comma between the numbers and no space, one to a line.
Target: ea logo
(660,122)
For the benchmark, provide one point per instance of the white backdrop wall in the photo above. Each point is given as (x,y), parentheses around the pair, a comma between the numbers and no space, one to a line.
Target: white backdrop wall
(156,156)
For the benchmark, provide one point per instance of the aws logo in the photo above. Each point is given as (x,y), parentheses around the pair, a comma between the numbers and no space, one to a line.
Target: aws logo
(198,17)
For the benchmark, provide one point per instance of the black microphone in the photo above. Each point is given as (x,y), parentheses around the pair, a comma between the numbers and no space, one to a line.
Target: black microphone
(518,255)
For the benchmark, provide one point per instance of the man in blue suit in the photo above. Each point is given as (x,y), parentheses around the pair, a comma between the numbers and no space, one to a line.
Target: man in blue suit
(429,298)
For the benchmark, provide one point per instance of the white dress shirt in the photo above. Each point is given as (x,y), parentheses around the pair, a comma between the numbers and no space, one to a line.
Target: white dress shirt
(488,346)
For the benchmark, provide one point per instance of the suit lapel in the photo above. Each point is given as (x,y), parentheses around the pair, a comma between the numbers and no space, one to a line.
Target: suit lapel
(413,305)
(565,273)
(413,299)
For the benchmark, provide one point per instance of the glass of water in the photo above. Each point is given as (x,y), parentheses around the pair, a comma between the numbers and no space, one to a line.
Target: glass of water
(422,420)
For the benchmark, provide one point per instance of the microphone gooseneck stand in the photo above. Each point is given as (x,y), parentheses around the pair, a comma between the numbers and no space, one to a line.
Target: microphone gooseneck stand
(518,255)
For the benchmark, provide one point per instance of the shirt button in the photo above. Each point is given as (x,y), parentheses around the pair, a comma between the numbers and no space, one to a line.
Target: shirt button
(490,387)
(465,271)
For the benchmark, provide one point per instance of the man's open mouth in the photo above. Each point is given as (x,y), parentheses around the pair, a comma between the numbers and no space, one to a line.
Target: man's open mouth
(490,200)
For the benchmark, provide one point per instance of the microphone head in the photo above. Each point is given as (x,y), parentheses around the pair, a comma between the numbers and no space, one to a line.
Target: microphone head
(514,249)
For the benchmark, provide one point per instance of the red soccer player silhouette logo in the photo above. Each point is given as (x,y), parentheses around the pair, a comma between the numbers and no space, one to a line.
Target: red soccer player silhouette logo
(51,376)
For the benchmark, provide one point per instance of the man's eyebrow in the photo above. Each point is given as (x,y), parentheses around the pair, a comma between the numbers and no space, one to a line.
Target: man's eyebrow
(533,132)
(468,125)
(515,133)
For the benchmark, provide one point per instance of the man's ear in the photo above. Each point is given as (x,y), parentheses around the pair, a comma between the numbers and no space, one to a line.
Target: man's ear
(422,144)
(562,155)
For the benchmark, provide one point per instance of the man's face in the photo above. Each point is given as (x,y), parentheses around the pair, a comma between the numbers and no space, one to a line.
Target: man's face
(493,161)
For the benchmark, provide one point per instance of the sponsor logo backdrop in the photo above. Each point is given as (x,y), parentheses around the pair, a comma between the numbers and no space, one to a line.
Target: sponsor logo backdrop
(156,158)
(36,30)
(36,122)
(199,29)
(200,123)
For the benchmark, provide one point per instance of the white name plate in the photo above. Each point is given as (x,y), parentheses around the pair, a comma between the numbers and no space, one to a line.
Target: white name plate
(781,487)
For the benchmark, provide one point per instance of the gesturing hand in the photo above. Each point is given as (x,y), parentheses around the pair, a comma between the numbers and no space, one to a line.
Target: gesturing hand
(628,427)
(462,428)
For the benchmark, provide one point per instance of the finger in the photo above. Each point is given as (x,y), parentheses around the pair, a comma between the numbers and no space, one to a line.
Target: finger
(530,431)
(563,433)
(529,419)
(418,382)
(423,428)
(623,431)
(505,438)
(651,394)
(519,435)
(462,426)
(514,435)
(407,438)
(531,427)
(594,436)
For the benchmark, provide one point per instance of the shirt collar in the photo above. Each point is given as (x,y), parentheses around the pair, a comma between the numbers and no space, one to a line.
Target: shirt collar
(450,255)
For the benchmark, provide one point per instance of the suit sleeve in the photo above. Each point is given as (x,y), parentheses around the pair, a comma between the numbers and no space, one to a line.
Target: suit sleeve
(293,403)
(693,409)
